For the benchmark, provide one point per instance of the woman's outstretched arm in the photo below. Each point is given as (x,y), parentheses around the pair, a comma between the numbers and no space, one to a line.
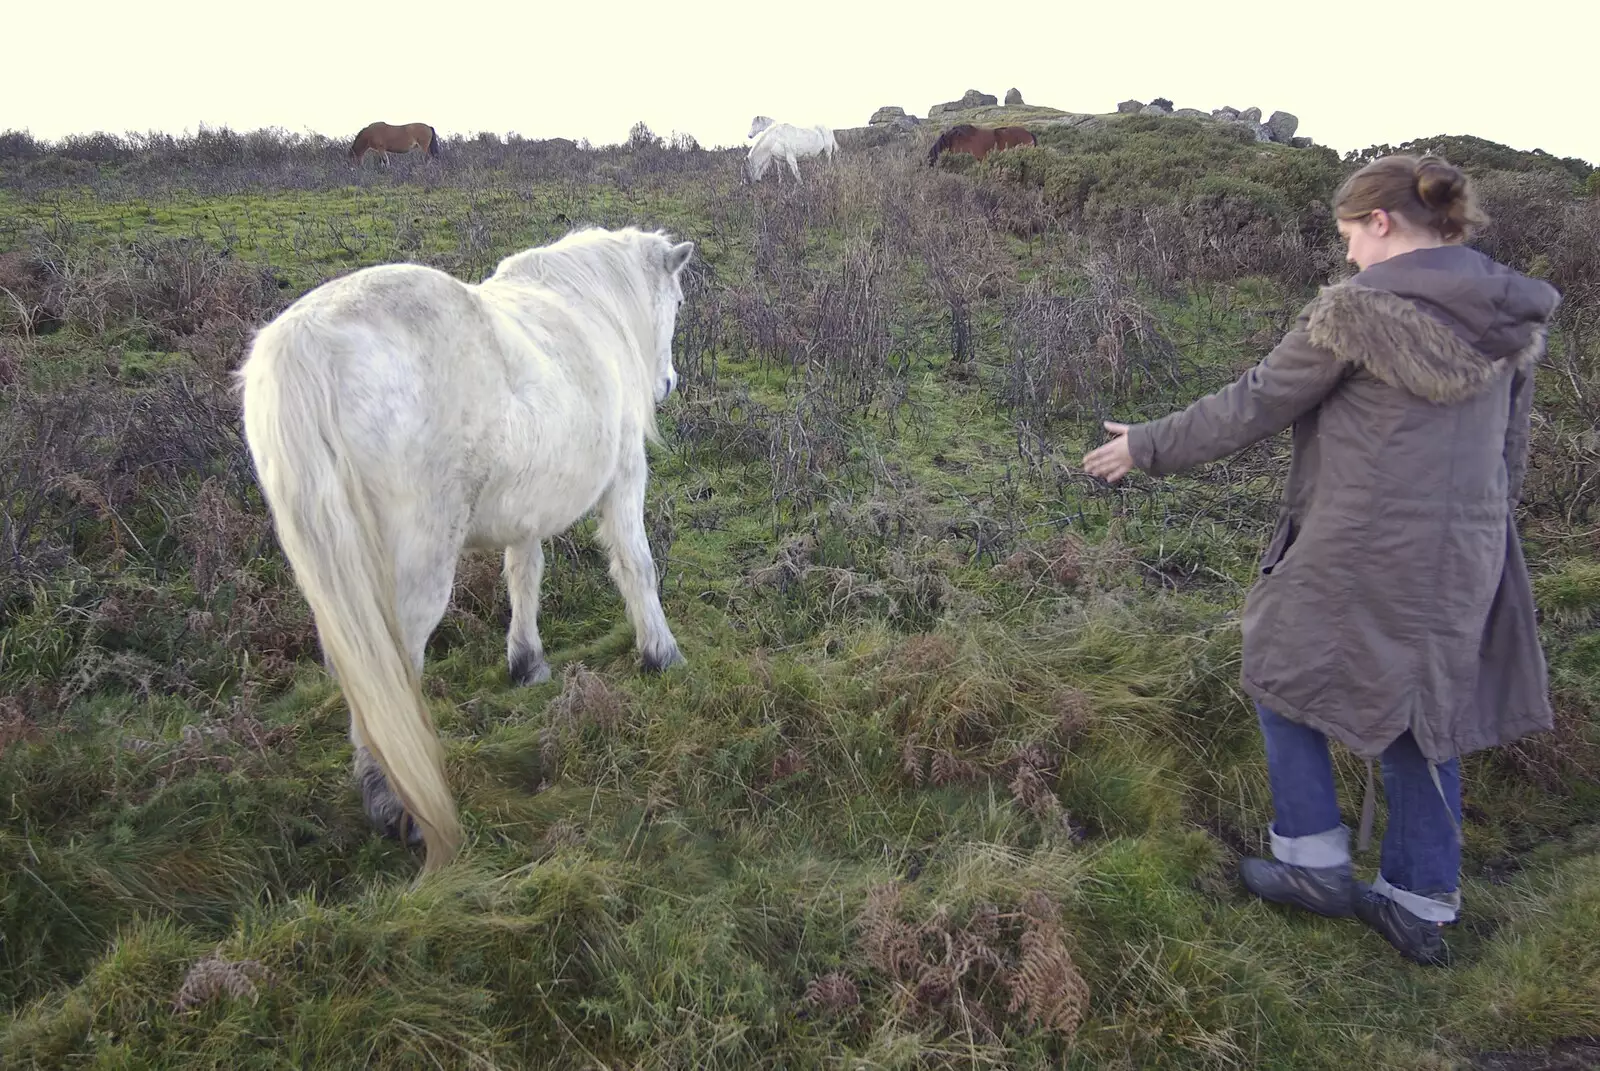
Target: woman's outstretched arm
(1290,380)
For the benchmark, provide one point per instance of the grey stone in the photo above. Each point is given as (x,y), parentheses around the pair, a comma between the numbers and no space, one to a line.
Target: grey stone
(1131,107)
(970,99)
(1282,125)
(1013,96)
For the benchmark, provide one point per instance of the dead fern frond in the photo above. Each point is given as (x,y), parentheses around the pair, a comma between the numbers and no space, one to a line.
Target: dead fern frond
(948,769)
(1046,983)
(585,699)
(833,993)
(911,761)
(790,762)
(892,945)
(214,976)
(1032,794)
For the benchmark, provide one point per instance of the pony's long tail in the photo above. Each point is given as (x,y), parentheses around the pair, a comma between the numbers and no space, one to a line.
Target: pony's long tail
(433,142)
(326,526)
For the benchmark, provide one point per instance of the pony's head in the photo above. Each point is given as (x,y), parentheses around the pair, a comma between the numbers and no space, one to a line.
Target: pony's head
(758,124)
(635,276)
(670,259)
(950,139)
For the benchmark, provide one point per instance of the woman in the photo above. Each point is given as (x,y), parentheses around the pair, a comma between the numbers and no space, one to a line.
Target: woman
(1393,610)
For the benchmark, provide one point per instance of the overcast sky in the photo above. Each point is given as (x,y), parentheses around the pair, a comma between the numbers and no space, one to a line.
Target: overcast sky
(1355,72)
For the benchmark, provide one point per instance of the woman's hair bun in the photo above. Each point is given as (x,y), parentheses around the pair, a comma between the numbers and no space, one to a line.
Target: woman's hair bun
(1439,183)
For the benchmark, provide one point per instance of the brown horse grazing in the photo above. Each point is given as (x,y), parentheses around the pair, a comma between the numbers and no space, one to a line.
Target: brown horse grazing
(387,138)
(979,141)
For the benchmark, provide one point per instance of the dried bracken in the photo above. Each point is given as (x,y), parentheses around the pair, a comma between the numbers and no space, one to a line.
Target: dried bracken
(1046,984)
(586,699)
(790,762)
(563,833)
(1032,794)
(911,761)
(215,976)
(919,658)
(239,740)
(949,769)
(945,973)
(1073,711)
(14,723)
(893,945)
(1060,561)
(217,535)
(833,993)
(788,564)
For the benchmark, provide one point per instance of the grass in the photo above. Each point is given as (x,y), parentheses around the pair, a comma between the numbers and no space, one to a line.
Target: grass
(957,773)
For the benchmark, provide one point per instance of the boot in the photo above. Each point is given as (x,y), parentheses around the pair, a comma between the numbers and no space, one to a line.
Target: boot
(1415,938)
(1325,890)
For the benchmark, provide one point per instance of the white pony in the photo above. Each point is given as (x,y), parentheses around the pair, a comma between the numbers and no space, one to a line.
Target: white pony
(785,141)
(397,416)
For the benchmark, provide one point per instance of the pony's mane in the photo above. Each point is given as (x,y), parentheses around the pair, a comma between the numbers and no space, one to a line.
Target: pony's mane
(604,272)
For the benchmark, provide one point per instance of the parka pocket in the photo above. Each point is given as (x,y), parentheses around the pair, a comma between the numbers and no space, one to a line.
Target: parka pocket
(1282,537)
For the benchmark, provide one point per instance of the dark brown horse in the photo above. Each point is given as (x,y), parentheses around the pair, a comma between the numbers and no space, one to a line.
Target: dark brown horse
(979,141)
(387,138)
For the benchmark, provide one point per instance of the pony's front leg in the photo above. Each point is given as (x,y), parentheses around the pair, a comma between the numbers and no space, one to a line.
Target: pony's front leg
(794,165)
(632,568)
(524,651)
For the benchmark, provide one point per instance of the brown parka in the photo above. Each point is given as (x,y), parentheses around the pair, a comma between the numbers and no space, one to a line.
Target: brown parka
(1393,594)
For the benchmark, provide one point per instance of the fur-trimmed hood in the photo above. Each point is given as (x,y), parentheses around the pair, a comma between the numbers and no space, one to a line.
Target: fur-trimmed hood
(1436,322)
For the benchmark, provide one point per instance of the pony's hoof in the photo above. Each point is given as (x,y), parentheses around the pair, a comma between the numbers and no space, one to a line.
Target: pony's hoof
(658,661)
(527,668)
(383,807)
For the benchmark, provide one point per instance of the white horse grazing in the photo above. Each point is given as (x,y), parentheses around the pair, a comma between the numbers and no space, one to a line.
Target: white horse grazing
(785,141)
(397,416)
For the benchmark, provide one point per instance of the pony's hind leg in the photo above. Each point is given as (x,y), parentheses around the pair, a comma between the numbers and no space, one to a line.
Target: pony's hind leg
(524,651)
(632,568)
(424,574)
(383,807)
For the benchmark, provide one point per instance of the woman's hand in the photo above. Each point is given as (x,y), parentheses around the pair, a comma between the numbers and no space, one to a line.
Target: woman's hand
(1112,461)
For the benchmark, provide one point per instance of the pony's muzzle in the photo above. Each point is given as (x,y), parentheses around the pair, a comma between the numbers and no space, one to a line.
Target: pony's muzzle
(664,389)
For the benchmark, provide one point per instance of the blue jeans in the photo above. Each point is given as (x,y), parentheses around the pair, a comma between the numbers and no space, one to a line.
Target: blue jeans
(1420,866)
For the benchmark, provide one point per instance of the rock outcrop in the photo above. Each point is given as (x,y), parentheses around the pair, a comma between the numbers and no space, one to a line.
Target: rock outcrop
(1013,96)
(970,99)
(1282,125)
(1278,128)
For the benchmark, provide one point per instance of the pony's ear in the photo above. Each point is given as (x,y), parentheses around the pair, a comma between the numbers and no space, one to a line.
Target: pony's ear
(678,256)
